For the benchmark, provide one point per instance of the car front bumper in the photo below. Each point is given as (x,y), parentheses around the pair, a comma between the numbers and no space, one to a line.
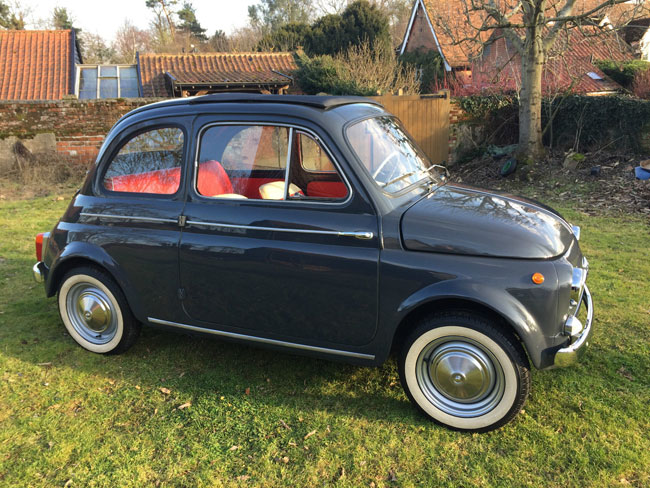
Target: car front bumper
(570,355)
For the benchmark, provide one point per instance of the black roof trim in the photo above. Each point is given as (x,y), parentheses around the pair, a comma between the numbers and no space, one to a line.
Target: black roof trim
(316,101)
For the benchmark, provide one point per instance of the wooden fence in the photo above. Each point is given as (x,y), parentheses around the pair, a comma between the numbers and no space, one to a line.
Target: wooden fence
(426,118)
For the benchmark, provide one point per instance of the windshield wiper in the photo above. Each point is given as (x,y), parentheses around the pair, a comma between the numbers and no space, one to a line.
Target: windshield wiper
(399,178)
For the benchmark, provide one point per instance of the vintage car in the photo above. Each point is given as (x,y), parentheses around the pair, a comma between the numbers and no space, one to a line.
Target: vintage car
(316,225)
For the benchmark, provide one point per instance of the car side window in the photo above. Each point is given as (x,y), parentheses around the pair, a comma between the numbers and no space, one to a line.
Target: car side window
(243,162)
(250,162)
(149,162)
(313,171)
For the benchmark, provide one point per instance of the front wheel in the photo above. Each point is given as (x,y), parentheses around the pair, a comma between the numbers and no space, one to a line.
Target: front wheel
(465,372)
(95,311)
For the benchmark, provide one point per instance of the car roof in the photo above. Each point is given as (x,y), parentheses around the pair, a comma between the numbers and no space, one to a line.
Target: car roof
(322,102)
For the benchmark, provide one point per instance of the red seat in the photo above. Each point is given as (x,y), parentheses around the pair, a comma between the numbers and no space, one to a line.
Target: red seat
(327,189)
(213,179)
(162,182)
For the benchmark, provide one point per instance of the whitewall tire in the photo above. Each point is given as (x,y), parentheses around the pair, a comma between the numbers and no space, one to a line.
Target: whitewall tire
(465,372)
(95,312)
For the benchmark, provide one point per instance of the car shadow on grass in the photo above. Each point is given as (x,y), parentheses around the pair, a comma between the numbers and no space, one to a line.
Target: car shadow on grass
(197,367)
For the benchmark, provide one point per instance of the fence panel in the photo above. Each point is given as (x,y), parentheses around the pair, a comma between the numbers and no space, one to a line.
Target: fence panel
(426,117)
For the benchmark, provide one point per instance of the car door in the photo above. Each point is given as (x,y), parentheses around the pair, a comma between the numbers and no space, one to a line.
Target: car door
(275,246)
(133,214)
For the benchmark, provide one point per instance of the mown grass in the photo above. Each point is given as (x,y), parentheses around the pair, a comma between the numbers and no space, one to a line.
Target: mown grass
(259,418)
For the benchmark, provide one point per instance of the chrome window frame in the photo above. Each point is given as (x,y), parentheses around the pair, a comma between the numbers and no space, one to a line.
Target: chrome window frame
(292,128)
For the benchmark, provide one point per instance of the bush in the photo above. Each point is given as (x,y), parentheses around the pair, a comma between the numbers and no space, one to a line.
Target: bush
(429,64)
(359,23)
(360,71)
(580,122)
(623,72)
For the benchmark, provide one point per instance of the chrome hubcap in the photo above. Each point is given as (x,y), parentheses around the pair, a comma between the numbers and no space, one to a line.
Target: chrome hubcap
(460,376)
(94,310)
(92,313)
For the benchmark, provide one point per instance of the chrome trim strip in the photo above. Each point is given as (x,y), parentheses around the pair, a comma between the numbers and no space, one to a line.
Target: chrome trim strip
(155,220)
(234,335)
(357,234)
(287,166)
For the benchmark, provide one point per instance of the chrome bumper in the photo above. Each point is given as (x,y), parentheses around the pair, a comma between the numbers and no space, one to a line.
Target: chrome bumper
(571,354)
(38,272)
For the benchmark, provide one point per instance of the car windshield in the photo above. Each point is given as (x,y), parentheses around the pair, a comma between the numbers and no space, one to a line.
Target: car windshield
(393,160)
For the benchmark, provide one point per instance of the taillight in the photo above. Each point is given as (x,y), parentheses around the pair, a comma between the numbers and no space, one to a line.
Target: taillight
(41,240)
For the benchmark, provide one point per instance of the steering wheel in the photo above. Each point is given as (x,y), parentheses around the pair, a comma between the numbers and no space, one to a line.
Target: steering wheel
(383,163)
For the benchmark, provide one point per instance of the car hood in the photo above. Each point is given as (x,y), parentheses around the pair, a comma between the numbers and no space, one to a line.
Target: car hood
(458,219)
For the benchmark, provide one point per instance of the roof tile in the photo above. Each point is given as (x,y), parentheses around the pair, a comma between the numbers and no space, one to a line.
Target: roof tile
(212,68)
(35,65)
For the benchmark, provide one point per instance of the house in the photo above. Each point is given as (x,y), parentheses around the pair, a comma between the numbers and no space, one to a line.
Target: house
(180,75)
(38,64)
(448,28)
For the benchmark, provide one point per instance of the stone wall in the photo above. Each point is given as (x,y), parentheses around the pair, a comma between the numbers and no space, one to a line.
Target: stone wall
(72,129)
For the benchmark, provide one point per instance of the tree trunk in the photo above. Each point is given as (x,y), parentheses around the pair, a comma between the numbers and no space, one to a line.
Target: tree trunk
(530,98)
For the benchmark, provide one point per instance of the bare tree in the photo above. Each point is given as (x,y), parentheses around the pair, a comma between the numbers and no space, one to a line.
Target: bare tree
(128,41)
(96,51)
(532,28)
(244,39)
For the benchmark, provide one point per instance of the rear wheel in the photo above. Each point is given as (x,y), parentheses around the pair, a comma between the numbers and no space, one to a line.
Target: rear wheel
(95,311)
(465,372)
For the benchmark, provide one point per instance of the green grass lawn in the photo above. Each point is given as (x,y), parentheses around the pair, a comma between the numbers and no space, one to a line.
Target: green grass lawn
(72,418)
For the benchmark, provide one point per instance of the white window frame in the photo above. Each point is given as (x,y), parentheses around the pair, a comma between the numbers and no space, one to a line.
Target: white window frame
(99,78)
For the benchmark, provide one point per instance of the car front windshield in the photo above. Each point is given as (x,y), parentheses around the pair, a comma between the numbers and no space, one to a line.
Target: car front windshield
(393,160)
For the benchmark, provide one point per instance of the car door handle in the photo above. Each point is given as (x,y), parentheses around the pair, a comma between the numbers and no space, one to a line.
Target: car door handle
(359,234)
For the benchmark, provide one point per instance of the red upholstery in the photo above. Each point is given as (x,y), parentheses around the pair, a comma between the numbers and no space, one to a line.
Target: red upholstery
(213,179)
(162,182)
(327,189)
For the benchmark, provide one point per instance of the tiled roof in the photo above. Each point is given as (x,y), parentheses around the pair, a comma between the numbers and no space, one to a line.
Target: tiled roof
(217,68)
(36,65)
(570,65)
(226,77)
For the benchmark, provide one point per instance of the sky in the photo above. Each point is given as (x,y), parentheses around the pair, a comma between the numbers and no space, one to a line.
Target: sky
(104,17)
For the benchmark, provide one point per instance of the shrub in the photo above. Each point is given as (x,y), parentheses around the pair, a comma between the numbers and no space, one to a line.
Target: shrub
(362,70)
(430,66)
(623,72)
(360,22)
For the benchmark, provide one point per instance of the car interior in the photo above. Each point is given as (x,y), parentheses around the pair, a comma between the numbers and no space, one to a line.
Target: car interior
(235,162)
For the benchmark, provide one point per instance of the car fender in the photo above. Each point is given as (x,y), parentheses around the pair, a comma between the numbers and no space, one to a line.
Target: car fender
(90,253)
(495,299)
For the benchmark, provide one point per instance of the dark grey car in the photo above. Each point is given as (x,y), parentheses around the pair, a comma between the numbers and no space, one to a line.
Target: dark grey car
(316,225)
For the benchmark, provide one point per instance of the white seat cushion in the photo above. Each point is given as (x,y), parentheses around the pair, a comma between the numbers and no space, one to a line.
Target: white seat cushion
(236,196)
(275,190)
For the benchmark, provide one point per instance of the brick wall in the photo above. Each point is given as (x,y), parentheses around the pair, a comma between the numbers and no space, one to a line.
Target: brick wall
(78,126)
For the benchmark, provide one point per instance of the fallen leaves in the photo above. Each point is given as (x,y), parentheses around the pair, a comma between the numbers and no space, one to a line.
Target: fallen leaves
(307,436)
(165,391)
(185,405)
(234,448)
